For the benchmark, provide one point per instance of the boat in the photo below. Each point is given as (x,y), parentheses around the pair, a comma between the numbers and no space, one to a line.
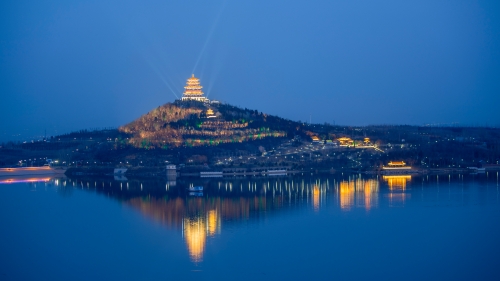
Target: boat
(196,194)
(196,188)
(31,171)
(476,170)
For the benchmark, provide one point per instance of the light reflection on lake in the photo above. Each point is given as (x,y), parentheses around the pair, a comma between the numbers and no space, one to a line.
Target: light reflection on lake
(226,205)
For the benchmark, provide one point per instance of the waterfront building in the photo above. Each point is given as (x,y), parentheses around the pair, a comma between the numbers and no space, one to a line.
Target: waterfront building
(397,167)
(193,90)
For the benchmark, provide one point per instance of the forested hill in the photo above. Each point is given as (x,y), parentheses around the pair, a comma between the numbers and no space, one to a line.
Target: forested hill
(192,123)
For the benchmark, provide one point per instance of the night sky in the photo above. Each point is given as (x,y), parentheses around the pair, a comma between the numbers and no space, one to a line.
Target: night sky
(71,65)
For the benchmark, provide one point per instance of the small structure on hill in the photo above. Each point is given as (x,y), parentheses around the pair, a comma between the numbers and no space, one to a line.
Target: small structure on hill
(316,139)
(210,113)
(345,141)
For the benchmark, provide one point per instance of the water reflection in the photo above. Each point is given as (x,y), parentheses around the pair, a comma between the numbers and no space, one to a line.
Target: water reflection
(226,201)
(397,187)
(195,234)
(316,194)
(195,231)
(358,192)
(397,182)
(23,179)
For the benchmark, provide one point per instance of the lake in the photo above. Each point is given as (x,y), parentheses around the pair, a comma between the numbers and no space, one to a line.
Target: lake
(271,228)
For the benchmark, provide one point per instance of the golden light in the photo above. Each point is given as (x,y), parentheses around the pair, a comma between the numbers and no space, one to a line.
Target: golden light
(370,190)
(344,141)
(316,193)
(397,182)
(396,165)
(193,90)
(358,192)
(21,180)
(195,236)
(213,222)
(346,194)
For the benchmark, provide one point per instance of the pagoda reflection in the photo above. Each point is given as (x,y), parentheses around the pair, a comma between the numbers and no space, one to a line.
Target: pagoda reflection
(195,235)
(222,202)
(197,229)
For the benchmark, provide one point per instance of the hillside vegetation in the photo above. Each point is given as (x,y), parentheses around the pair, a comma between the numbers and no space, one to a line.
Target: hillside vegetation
(190,123)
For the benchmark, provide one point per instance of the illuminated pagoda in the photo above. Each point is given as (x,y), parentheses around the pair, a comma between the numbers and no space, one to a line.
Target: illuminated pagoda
(210,113)
(193,90)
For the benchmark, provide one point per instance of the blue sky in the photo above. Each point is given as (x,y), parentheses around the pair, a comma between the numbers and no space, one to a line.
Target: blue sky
(70,65)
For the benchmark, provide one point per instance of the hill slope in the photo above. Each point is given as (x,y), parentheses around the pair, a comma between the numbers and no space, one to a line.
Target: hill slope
(191,123)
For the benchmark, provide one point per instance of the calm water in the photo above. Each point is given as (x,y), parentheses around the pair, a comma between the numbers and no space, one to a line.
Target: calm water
(297,228)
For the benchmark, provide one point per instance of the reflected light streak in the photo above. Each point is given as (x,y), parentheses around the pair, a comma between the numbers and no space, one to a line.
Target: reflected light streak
(213,222)
(397,182)
(195,236)
(362,192)
(370,190)
(21,180)
(346,195)
(316,193)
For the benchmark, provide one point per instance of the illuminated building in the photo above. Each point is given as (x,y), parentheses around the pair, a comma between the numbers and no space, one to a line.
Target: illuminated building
(193,90)
(397,167)
(210,113)
(344,141)
(315,139)
(398,164)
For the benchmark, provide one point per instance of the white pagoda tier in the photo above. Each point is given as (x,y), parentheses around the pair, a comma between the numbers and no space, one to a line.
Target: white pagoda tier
(193,90)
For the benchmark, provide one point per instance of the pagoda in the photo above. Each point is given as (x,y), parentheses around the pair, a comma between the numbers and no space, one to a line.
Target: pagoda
(193,90)
(210,113)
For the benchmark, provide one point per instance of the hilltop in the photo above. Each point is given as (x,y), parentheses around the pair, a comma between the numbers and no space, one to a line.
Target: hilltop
(192,123)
